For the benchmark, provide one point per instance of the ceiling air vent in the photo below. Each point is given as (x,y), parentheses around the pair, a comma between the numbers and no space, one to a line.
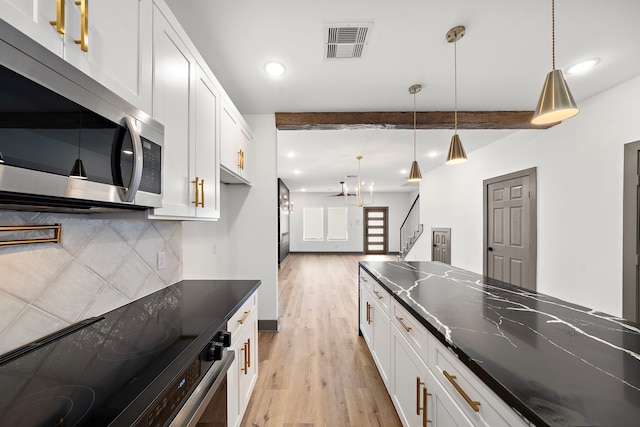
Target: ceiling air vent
(346,41)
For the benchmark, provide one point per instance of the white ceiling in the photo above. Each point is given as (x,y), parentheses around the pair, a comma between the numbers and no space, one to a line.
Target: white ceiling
(502,63)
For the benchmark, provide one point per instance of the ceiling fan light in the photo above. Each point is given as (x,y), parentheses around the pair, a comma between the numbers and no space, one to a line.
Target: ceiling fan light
(414,174)
(77,171)
(556,102)
(456,152)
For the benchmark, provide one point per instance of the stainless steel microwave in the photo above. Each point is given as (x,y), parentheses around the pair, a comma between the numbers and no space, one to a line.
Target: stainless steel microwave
(66,142)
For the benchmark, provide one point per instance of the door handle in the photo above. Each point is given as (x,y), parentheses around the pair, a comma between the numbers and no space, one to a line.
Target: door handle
(490,249)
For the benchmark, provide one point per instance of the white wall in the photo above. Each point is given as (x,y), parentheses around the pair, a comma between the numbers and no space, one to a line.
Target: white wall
(246,236)
(398,204)
(580,180)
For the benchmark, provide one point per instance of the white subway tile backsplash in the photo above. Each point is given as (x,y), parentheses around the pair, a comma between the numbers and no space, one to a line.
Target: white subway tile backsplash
(101,264)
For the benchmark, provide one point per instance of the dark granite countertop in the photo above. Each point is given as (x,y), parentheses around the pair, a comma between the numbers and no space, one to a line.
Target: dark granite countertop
(557,363)
(110,368)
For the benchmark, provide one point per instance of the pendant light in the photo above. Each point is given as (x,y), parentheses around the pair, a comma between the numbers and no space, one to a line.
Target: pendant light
(456,150)
(556,102)
(360,191)
(414,174)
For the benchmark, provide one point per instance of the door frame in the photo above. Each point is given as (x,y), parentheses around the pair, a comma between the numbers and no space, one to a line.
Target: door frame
(448,244)
(630,236)
(386,227)
(533,220)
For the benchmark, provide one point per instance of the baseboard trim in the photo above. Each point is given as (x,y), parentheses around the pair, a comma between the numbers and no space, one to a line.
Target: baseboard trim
(268,325)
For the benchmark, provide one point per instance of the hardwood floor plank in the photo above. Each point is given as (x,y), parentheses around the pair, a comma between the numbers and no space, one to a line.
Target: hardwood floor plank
(317,371)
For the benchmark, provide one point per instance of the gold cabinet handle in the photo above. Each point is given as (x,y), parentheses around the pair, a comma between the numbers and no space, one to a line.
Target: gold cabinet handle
(475,405)
(197,194)
(239,159)
(425,415)
(202,193)
(406,328)
(378,295)
(244,318)
(418,384)
(84,25)
(244,366)
(368,313)
(364,279)
(248,352)
(242,159)
(59,22)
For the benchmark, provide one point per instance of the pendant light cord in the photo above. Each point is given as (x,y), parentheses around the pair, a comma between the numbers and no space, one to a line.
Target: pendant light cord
(553,34)
(414,126)
(455,86)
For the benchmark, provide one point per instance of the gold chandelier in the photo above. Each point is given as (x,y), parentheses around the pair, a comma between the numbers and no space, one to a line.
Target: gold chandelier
(357,198)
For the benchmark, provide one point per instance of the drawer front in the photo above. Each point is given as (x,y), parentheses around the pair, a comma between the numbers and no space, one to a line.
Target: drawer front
(479,402)
(366,281)
(238,321)
(383,298)
(415,334)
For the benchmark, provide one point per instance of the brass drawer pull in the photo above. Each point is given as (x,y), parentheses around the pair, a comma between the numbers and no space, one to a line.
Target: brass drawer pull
(84,25)
(368,313)
(244,318)
(418,384)
(364,279)
(475,405)
(248,352)
(378,295)
(406,328)
(244,367)
(59,22)
(425,416)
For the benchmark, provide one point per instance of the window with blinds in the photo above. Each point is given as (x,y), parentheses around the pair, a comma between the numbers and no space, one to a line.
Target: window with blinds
(337,224)
(312,224)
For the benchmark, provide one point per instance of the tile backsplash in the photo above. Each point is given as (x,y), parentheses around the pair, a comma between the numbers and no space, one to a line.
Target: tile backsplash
(100,265)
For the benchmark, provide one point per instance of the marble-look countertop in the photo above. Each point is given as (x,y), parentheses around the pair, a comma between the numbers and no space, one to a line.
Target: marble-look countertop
(557,363)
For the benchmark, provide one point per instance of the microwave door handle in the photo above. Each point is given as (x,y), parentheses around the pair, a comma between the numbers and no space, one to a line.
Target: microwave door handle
(136,174)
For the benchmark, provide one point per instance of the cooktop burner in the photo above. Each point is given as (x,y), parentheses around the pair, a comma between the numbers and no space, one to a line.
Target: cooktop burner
(116,364)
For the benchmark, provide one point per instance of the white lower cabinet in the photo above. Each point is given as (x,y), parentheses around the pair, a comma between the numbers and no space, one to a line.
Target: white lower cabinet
(243,373)
(428,384)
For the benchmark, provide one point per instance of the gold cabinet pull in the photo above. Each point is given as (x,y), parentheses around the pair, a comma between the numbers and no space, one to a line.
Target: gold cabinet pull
(244,366)
(368,313)
(475,405)
(425,415)
(248,352)
(59,22)
(202,193)
(244,318)
(242,159)
(378,295)
(406,328)
(84,25)
(364,279)
(197,194)
(418,384)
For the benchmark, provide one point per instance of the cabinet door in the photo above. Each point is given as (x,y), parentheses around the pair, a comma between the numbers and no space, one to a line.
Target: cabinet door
(245,142)
(173,69)
(419,399)
(207,163)
(119,46)
(249,374)
(229,139)
(382,342)
(366,322)
(32,17)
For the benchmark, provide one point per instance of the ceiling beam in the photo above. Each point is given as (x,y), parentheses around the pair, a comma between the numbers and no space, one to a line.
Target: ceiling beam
(404,120)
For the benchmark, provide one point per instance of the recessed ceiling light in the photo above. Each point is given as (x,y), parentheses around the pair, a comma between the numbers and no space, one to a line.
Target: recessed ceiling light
(291,154)
(274,68)
(297,172)
(303,189)
(582,67)
(404,171)
(433,154)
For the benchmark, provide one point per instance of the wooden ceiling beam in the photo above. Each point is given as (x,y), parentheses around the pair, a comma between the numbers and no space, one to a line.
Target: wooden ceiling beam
(404,120)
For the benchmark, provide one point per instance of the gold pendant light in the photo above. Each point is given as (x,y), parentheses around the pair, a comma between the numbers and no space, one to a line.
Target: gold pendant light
(360,190)
(456,150)
(414,174)
(556,102)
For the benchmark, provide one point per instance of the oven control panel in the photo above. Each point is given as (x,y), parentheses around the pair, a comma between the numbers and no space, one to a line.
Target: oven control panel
(166,404)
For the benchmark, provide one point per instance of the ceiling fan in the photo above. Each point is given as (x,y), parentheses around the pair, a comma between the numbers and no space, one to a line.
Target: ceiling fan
(341,193)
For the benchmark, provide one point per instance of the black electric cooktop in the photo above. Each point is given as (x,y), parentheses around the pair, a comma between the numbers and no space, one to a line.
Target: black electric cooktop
(108,370)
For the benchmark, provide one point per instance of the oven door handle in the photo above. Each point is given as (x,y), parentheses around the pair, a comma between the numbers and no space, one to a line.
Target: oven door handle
(136,173)
(194,407)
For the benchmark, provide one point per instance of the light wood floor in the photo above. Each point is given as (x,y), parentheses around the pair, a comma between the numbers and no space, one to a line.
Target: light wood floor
(317,371)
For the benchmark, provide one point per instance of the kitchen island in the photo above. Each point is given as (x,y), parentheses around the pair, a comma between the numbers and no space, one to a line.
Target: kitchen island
(555,363)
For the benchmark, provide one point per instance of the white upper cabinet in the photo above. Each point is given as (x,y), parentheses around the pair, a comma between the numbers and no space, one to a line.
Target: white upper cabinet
(235,146)
(109,40)
(186,101)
